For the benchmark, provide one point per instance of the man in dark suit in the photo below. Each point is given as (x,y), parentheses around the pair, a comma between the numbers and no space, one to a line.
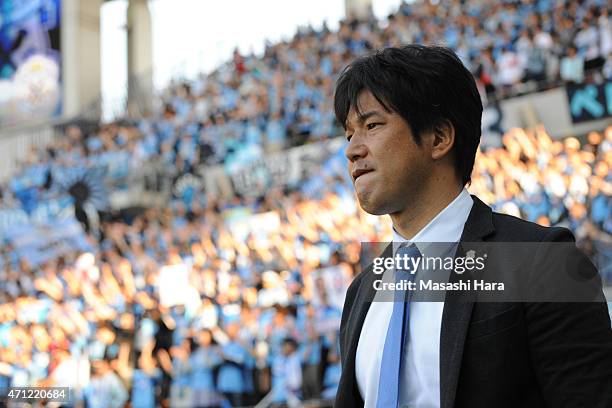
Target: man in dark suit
(412,117)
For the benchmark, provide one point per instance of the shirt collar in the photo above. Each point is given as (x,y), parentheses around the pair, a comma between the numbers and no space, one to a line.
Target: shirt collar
(446,226)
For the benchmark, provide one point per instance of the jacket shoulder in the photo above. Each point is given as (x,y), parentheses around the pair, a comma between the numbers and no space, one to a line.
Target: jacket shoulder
(513,229)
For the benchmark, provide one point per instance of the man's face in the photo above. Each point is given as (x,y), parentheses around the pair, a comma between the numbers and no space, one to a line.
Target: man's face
(387,167)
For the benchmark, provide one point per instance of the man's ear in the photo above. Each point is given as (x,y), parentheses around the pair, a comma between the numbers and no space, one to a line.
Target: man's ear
(443,139)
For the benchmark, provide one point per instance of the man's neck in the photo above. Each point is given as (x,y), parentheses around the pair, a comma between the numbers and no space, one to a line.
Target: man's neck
(420,212)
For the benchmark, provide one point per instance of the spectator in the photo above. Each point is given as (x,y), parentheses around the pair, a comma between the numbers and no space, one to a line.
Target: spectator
(485,72)
(163,342)
(587,42)
(230,377)
(331,378)
(105,389)
(535,66)
(572,67)
(203,362)
(287,374)
(311,355)
(144,380)
(181,389)
(510,68)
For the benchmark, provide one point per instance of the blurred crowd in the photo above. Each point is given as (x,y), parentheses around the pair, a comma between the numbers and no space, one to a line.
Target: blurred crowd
(562,182)
(257,315)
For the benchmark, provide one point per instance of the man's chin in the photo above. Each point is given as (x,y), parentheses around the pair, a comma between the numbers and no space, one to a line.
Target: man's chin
(371,206)
(375,212)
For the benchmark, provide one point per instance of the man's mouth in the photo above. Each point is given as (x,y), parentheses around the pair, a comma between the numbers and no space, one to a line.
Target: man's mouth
(359,172)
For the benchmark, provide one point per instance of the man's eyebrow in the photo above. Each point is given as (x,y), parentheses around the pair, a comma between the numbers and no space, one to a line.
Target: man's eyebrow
(365,116)
(362,117)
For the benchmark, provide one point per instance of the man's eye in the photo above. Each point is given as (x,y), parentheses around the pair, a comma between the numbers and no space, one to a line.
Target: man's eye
(371,126)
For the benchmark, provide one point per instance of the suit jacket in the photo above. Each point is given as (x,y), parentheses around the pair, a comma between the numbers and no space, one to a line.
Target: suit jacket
(503,354)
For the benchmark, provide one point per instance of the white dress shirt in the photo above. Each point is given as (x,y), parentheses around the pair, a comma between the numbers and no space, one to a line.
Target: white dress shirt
(421,388)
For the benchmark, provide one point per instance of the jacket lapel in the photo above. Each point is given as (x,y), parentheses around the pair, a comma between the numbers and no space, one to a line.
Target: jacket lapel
(458,308)
(354,326)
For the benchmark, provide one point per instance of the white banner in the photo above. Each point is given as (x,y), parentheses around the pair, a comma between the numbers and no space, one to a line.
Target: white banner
(283,168)
(173,285)
(336,280)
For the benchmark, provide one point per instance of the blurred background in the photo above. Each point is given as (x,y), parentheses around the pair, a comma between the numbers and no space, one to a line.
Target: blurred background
(178,225)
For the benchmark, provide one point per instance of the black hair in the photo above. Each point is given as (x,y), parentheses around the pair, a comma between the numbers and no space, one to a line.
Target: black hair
(291,341)
(213,342)
(428,86)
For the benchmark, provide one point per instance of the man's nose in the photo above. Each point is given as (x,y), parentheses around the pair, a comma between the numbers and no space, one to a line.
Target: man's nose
(355,149)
